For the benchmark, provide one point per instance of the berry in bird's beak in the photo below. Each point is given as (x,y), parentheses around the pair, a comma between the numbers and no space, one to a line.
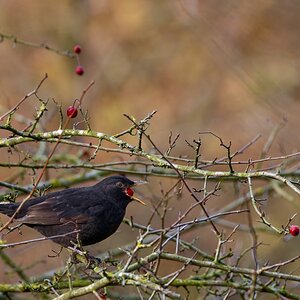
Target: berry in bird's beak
(129,192)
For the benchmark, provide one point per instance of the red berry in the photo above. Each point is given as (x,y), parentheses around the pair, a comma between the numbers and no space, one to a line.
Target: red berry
(77,49)
(72,112)
(79,70)
(294,230)
(129,192)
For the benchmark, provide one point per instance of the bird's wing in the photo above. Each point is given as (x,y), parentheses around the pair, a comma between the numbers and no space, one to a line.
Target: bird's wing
(58,209)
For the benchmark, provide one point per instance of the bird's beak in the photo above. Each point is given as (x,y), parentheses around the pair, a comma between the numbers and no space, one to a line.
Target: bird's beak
(138,200)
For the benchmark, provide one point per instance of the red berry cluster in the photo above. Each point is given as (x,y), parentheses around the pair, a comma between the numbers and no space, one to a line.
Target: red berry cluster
(79,70)
(294,230)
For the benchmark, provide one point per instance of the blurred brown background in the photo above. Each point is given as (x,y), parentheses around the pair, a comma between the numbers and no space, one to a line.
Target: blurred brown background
(230,67)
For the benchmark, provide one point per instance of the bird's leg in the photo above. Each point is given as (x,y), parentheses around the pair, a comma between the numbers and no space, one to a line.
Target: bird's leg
(79,255)
(76,251)
(90,261)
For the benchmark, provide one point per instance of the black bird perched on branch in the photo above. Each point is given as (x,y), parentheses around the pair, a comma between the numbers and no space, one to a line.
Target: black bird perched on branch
(83,216)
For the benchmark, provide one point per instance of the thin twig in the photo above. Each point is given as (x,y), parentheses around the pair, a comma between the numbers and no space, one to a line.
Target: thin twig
(12,110)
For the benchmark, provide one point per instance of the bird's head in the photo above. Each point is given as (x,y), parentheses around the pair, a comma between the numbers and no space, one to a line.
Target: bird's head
(121,187)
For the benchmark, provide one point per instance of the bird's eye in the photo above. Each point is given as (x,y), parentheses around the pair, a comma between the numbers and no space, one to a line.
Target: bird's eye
(120,184)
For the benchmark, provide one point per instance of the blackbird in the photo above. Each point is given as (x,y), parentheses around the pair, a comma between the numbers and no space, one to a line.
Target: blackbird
(80,216)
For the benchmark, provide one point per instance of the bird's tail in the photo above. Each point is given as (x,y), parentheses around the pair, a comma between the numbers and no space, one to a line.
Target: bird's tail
(8,208)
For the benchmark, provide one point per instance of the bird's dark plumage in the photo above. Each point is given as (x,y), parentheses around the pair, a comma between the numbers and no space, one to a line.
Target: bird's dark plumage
(95,211)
